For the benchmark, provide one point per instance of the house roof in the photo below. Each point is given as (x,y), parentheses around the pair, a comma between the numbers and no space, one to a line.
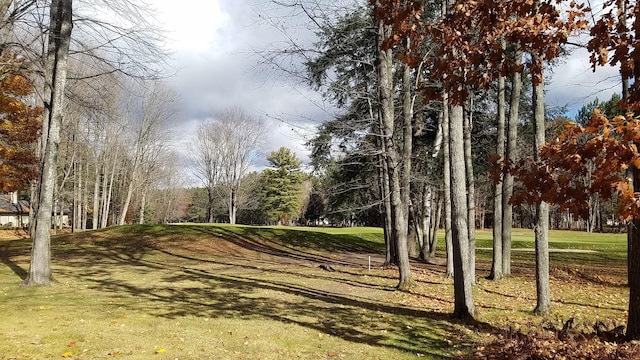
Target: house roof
(8,208)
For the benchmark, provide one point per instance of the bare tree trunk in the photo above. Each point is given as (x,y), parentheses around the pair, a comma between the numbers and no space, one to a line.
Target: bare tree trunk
(233,206)
(407,147)
(210,204)
(496,263)
(127,200)
(447,186)
(390,241)
(383,175)
(96,199)
(85,199)
(393,158)
(435,226)
(106,196)
(511,156)
(471,190)
(541,228)
(55,214)
(427,209)
(75,203)
(55,81)
(143,204)
(463,285)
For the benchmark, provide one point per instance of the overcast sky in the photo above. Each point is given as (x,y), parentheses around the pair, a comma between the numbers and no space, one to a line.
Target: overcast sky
(214,45)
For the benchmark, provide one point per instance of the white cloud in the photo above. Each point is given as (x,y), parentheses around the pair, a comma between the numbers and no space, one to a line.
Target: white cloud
(574,84)
(193,25)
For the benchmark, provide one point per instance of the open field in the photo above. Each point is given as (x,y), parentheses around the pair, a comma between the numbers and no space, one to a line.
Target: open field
(234,292)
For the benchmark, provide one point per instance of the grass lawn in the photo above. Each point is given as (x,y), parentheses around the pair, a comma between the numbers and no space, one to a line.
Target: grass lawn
(238,292)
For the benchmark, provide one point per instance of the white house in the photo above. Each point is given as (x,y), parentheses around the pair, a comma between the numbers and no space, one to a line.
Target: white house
(13,212)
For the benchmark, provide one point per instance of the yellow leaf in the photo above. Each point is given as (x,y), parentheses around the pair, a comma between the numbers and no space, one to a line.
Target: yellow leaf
(160,351)
(67,354)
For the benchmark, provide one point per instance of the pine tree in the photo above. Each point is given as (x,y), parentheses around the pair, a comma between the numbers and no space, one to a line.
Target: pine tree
(281,186)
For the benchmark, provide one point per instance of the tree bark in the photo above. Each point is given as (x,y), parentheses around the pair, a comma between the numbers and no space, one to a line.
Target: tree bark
(233,206)
(210,203)
(463,295)
(127,200)
(55,80)
(96,199)
(447,185)
(511,156)
(427,219)
(435,226)
(407,150)
(633,230)
(393,158)
(143,204)
(496,263)
(541,229)
(471,190)
(633,267)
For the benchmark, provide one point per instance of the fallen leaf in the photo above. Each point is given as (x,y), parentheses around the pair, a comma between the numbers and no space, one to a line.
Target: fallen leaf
(67,354)
(71,344)
(160,351)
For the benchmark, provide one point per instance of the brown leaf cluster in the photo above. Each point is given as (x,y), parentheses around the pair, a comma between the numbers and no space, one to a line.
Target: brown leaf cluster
(599,343)
(20,124)
(580,163)
(615,40)
(467,43)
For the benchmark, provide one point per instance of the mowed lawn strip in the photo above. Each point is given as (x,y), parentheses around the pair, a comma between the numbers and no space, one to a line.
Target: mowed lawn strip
(238,292)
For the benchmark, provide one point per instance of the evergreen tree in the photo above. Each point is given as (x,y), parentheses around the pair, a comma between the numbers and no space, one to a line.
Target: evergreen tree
(281,186)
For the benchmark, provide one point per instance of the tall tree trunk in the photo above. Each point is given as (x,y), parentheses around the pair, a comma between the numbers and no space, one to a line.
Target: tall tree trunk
(633,270)
(407,150)
(233,206)
(55,80)
(463,295)
(143,204)
(393,158)
(75,203)
(390,257)
(447,185)
(127,200)
(541,229)
(85,199)
(96,199)
(210,204)
(435,226)
(427,219)
(511,156)
(383,184)
(633,229)
(471,190)
(496,263)
(107,191)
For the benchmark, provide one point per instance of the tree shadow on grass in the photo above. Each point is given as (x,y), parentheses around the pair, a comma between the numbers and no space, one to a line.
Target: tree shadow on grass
(355,319)
(200,286)
(293,244)
(8,250)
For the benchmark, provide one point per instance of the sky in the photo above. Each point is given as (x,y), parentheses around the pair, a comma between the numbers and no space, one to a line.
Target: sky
(215,55)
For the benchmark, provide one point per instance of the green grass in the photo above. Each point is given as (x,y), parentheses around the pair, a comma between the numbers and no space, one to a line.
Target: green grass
(239,292)
(203,292)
